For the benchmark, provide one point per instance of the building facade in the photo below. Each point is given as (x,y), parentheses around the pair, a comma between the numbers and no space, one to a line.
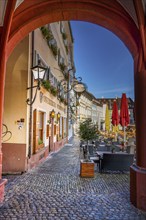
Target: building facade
(109,102)
(40,128)
(89,108)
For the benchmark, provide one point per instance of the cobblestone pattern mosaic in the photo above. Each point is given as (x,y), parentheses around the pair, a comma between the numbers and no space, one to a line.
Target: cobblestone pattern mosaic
(55,191)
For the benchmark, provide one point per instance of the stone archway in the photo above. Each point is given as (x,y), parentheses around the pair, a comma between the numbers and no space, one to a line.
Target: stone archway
(108,13)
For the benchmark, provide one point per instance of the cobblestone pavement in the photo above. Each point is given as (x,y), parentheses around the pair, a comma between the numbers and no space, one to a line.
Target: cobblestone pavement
(54,190)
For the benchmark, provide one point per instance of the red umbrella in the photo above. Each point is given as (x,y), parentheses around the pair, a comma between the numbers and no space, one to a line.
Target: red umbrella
(124,113)
(115,114)
(115,118)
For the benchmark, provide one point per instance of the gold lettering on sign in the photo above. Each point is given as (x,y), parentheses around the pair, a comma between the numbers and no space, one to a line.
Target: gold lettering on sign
(49,101)
(60,108)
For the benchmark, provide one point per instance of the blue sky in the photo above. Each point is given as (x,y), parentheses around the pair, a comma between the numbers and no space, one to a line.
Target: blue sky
(102,60)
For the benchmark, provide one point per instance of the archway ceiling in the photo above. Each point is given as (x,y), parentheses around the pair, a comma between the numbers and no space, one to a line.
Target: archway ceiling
(128,5)
(119,16)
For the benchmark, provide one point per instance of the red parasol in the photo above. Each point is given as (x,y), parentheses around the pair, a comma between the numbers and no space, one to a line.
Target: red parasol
(124,113)
(115,114)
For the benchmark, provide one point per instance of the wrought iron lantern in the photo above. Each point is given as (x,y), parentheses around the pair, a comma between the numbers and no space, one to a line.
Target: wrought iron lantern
(38,74)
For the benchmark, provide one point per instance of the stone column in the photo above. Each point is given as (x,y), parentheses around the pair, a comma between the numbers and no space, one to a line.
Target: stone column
(138,171)
(4,34)
(2,82)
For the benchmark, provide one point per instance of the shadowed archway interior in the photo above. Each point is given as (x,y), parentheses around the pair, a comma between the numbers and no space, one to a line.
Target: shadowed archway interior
(110,15)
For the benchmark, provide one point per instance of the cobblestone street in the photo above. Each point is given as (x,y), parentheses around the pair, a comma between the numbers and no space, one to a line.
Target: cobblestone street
(54,190)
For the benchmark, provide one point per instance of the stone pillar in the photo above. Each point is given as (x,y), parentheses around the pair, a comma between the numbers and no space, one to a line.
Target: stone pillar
(4,34)
(138,171)
(2,81)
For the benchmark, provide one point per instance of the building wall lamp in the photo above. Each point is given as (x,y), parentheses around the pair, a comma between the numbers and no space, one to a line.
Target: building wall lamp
(58,116)
(52,114)
(38,74)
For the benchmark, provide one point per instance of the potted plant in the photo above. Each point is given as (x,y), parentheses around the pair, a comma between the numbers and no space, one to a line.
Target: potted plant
(46,84)
(87,131)
(40,144)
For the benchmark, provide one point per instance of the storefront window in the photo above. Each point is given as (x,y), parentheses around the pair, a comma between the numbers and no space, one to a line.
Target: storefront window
(38,130)
(40,123)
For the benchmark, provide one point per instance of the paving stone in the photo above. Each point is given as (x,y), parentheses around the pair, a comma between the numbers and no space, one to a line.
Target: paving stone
(54,190)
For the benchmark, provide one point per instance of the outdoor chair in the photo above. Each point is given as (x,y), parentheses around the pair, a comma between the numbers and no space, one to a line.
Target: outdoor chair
(97,143)
(116,162)
(115,142)
(93,155)
(117,149)
(102,148)
(96,160)
(128,149)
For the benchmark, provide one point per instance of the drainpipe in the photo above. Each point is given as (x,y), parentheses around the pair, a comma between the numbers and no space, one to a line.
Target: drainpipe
(31,96)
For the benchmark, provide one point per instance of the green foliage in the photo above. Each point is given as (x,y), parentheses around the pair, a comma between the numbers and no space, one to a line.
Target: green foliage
(77,103)
(46,84)
(66,76)
(44,31)
(64,35)
(66,47)
(40,141)
(87,130)
(62,66)
(50,35)
(54,49)
(47,33)
(53,90)
(61,99)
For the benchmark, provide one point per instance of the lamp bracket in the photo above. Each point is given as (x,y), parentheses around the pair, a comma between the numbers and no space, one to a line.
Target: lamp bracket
(32,87)
(30,102)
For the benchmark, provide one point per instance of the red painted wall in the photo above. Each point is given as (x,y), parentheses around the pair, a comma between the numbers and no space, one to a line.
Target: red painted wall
(14,158)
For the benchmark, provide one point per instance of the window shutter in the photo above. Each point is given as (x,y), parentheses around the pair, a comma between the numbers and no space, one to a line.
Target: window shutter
(47,131)
(35,131)
(54,130)
(62,127)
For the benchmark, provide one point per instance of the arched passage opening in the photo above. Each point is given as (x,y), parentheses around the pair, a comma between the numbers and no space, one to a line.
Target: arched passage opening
(111,15)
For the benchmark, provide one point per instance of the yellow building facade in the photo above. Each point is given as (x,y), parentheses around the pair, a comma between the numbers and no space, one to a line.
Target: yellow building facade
(32,132)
